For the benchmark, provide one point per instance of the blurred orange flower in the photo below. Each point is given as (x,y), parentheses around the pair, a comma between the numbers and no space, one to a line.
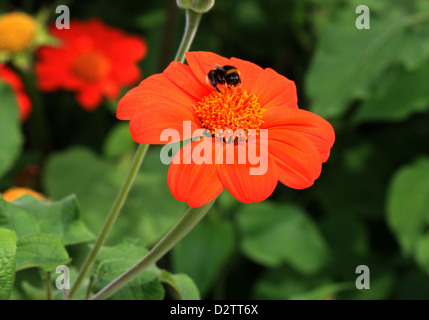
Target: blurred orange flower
(297,143)
(10,77)
(14,193)
(17,31)
(94,60)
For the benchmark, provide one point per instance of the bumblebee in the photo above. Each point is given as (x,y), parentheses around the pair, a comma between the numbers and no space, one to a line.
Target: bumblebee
(223,75)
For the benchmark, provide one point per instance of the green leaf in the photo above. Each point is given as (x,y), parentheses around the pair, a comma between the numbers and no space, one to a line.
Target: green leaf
(118,141)
(113,261)
(28,215)
(325,292)
(34,288)
(183,286)
(284,283)
(414,285)
(422,252)
(7,262)
(354,60)
(150,209)
(152,290)
(352,166)
(42,251)
(348,242)
(408,203)
(276,234)
(203,252)
(33,292)
(399,96)
(10,129)
(381,286)
(43,229)
(416,46)
(423,5)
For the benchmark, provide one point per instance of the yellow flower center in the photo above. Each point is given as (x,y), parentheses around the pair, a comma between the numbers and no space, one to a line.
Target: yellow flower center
(17,31)
(230,110)
(91,66)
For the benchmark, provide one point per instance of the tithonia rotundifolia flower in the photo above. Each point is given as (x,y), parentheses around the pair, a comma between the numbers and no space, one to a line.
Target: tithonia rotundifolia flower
(14,193)
(94,60)
(17,32)
(212,96)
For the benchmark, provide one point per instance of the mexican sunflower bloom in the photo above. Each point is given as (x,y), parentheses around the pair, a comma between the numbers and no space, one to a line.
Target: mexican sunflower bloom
(297,143)
(93,59)
(11,78)
(17,31)
(14,193)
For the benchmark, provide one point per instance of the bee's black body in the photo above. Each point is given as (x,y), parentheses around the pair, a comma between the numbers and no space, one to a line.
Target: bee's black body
(223,75)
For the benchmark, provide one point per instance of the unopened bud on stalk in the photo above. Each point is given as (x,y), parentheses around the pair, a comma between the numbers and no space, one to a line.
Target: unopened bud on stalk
(199,6)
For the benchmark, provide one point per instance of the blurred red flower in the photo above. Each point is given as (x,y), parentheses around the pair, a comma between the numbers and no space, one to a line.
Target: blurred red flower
(298,141)
(93,59)
(10,77)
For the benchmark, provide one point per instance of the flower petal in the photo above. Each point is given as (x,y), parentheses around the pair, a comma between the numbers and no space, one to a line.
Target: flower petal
(129,48)
(196,184)
(297,159)
(126,74)
(249,72)
(275,91)
(24,104)
(280,92)
(154,89)
(239,181)
(56,65)
(90,97)
(311,126)
(183,77)
(156,123)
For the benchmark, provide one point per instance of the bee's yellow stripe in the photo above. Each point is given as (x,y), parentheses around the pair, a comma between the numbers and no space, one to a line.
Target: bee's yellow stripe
(231,71)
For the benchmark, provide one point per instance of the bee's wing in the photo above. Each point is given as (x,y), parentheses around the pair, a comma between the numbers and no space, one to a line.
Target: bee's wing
(216,66)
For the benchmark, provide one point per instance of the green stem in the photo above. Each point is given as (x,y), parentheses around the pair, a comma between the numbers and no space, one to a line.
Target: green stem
(180,229)
(48,286)
(111,218)
(37,122)
(192,22)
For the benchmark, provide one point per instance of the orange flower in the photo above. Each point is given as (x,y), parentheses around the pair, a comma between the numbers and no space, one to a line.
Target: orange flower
(17,31)
(11,78)
(94,60)
(180,98)
(14,193)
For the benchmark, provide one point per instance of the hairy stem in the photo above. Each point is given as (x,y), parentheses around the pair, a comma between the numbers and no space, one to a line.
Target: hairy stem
(189,220)
(180,229)
(192,22)
(111,218)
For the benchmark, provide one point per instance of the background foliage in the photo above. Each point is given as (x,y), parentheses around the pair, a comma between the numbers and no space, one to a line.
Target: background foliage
(369,207)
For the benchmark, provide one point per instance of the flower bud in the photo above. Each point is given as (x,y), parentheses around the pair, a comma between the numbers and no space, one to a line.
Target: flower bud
(199,6)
